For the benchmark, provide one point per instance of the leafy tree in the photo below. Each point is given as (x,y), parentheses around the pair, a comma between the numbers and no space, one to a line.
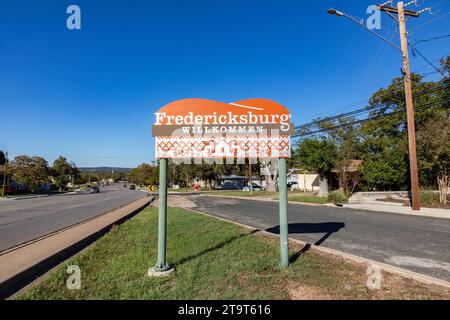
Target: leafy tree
(385,171)
(62,172)
(207,173)
(144,174)
(30,171)
(2,158)
(434,151)
(346,137)
(319,156)
(385,139)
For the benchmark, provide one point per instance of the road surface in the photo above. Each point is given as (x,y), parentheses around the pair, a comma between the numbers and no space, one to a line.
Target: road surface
(420,244)
(24,220)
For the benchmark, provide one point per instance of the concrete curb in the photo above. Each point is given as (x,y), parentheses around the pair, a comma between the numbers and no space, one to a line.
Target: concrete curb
(383,266)
(23,264)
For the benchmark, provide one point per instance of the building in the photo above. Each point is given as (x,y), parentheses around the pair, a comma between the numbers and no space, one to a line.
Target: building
(303,180)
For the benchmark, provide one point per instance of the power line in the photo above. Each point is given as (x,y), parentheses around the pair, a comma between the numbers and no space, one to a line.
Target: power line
(431,39)
(414,51)
(365,100)
(366,109)
(433,61)
(373,118)
(429,22)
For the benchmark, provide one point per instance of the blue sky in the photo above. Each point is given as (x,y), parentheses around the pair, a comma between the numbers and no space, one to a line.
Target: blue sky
(91,94)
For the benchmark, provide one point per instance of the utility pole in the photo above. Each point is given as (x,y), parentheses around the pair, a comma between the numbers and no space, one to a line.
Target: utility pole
(5,173)
(401,13)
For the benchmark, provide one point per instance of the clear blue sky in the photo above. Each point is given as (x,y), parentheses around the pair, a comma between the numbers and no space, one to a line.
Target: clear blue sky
(91,94)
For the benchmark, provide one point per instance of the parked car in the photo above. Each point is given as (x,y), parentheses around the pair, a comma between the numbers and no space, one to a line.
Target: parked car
(95,190)
(255,187)
(292,185)
(10,189)
(230,185)
(132,187)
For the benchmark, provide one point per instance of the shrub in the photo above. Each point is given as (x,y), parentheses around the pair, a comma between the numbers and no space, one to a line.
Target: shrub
(337,196)
(429,198)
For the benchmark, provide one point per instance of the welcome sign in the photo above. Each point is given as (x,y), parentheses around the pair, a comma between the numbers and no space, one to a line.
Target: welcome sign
(200,128)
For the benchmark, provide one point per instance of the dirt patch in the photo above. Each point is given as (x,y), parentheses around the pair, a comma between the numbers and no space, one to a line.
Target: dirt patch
(177,201)
(302,292)
(392,286)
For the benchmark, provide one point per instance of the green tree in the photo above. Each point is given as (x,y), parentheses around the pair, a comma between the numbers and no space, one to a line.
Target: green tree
(62,172)
(385,140)
(346,137)
(317,155)
(2,158)
(30,171)
(433,148)
(144,174)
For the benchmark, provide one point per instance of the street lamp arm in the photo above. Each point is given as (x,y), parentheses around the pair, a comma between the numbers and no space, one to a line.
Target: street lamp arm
(371,31)
(342,14)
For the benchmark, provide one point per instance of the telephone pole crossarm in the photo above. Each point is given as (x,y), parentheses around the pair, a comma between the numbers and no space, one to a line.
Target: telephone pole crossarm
(390,9)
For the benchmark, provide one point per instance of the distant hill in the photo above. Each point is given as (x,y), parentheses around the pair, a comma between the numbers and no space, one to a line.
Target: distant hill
(105,169)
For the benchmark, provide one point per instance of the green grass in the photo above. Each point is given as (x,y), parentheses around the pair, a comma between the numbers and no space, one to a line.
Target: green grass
(309,199)
(213,260)
(429,198)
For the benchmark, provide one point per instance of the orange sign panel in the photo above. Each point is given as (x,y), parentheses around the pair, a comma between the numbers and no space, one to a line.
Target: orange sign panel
(200,128)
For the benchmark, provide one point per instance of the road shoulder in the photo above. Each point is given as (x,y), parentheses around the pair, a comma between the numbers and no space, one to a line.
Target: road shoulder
(21,264)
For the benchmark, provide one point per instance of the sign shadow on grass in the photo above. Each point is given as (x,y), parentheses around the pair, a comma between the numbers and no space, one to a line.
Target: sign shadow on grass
(328,228)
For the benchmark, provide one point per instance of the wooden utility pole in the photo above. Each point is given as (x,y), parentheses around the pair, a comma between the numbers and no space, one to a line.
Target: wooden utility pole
(401,13)
(415,201)
(5,173)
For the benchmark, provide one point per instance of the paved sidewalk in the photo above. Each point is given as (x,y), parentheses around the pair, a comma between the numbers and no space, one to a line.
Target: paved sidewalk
(392,207)
(22,262)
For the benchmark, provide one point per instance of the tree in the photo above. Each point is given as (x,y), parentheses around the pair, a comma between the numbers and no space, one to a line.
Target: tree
(434,151)
(269,169)
(317,155)
(385,139)
(30,171)
(2,158)
(346,137)
(62,172)
(144,174)
(207,173)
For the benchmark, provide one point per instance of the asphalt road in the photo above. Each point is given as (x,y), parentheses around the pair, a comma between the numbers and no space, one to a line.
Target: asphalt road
(420,244)
(24,220)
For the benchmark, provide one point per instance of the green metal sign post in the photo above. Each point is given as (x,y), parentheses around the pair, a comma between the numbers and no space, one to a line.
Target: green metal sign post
(282,203)
(161,264)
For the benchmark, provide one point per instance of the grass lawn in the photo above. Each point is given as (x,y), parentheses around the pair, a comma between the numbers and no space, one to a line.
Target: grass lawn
(309,199)
(214,259)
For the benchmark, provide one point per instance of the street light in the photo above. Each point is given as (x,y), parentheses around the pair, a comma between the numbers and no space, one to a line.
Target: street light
(342,14)
(335,12)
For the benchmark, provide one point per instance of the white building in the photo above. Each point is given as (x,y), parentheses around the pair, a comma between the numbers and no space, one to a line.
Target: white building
(306,181)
